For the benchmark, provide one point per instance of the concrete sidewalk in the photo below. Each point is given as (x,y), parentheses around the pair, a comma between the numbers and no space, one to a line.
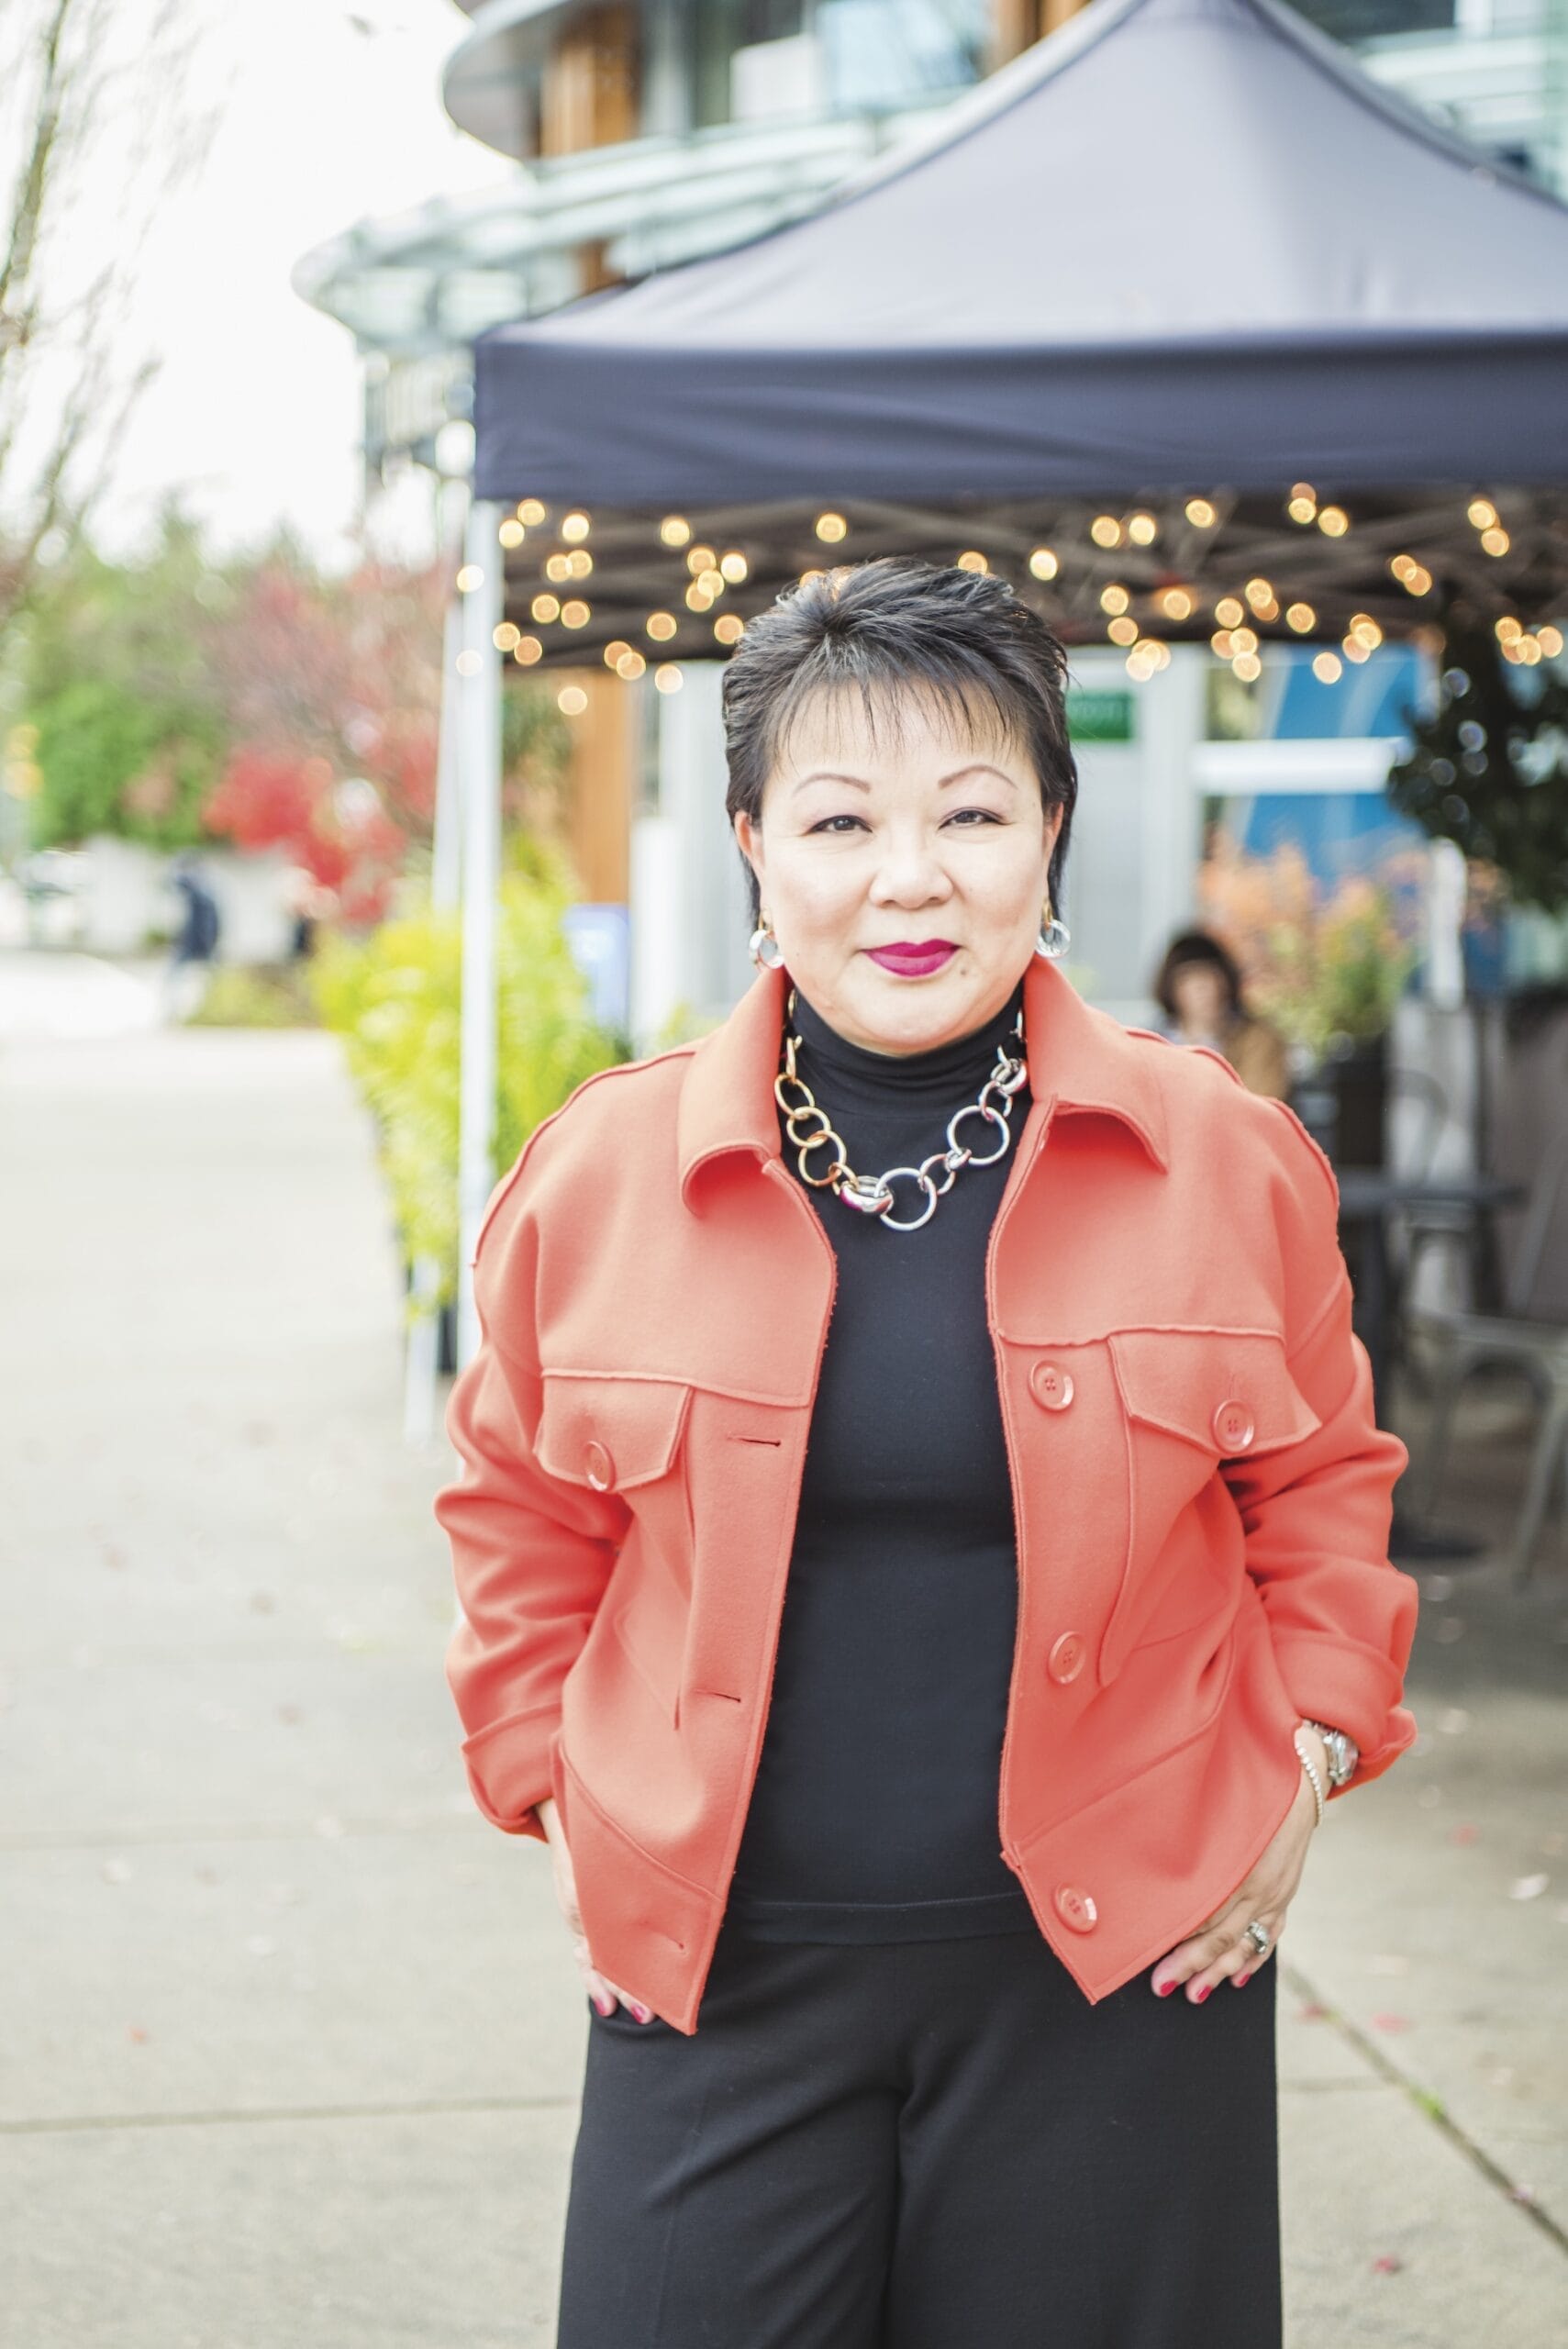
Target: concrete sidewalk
(292,2038)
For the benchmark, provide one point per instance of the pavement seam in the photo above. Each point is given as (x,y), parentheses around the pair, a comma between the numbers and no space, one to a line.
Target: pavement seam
(71,2124)
(1431,2106)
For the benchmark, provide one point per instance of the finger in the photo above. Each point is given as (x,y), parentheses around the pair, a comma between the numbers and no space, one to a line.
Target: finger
(633,2006)
(1192,1965)
(1242,1957)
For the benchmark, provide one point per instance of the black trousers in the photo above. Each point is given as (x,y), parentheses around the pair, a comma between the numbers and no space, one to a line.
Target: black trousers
(930,2145)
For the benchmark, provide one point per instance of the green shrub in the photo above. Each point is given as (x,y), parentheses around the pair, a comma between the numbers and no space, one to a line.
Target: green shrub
(396,1000)
(270,995)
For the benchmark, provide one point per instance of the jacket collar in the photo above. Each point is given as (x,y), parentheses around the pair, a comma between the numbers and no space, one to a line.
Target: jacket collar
(1080,1058)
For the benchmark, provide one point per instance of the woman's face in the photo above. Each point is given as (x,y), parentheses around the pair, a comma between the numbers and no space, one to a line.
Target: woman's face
(905,870)
(1201,997)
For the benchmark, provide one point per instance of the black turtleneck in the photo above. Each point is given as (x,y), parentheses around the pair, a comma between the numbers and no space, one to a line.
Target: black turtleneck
(875,1812)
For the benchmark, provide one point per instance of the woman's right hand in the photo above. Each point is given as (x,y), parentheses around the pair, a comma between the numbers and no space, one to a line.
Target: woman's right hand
(605,1994)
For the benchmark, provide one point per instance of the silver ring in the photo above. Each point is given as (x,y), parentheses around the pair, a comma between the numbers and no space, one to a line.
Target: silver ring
(1257,1935)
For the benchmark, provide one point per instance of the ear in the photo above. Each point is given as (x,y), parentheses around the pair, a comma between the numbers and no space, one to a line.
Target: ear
(749,840)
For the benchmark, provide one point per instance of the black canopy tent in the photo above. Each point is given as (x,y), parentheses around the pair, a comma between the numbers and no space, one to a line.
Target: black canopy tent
(1178,262)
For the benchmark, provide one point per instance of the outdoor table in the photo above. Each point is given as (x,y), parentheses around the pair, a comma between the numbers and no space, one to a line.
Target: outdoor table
(1370,1199)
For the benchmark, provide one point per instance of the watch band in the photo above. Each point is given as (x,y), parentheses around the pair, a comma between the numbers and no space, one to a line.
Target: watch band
(1342,1752)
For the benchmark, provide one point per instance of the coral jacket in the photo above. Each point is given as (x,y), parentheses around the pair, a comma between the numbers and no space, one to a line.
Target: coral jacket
(1202,1493)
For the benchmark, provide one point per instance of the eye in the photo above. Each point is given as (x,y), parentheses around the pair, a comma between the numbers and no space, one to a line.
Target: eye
(980,814)
(831,823)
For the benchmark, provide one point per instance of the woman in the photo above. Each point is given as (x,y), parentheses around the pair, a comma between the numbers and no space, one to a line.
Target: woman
(1199,990)
(921,1540)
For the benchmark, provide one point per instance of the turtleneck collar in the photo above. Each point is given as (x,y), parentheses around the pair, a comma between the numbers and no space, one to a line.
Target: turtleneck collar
(841,1072)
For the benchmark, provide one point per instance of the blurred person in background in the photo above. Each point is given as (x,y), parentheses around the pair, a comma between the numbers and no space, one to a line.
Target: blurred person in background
(195,940)
(1199,990)
(921,1537)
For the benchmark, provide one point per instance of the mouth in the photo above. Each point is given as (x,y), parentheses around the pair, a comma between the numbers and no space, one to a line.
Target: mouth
(908,959)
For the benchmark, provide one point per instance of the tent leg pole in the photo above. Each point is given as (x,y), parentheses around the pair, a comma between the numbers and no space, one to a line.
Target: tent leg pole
(421,1370)
(479,737)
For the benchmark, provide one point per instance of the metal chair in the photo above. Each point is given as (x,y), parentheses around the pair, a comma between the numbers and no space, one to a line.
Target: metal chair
(1461,1339)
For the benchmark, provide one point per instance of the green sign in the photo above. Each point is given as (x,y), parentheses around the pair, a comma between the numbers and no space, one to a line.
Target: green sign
(1099,716)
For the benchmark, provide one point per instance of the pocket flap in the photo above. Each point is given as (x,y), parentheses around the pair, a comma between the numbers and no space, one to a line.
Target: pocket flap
(1229,1391)
(609,1432)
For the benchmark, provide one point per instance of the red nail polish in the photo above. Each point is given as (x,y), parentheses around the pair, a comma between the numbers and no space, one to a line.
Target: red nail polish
(1239,1978)
(1163,1989)
(1201,1995)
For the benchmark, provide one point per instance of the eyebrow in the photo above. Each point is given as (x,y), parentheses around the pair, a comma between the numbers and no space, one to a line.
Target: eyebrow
(859,782)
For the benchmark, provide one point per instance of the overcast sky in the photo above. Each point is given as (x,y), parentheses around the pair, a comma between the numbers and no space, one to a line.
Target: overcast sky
(256,411)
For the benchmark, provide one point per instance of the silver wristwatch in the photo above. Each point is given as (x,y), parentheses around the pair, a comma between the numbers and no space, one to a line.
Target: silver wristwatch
(1343,1751)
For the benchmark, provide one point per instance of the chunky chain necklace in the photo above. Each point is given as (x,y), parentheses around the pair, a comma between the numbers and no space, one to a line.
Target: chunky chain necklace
(810,1129)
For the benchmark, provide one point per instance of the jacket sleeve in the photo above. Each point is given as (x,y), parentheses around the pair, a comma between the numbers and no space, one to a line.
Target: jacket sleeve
(531,1554)
(1316,1514)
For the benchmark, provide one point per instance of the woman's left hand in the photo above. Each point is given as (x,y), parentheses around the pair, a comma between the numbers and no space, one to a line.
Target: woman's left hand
(1220,1947)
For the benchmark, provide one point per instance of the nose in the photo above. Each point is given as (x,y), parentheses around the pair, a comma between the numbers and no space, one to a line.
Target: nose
(911,872)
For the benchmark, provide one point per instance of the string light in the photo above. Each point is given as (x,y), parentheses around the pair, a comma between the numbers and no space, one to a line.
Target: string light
(832,528)
(1106,531)
(729,627)
(1201,514)
(572,701)
(973,560)
(1496,540)
(1229,611)
(1258,593)
(532,512)
(511,532)
(1412,576)
(575,526)
(1220,642)
(576,614)
(1243,639)
(579,563)
(699,559)
(630,664)
(1365,630)
(557,567)
(470,577)
(699,598)
(526,651)
(506,638)
(1301,618)
(1175,603)
(661,626)
(1302,505)
(1355,650)
(733,566)
(1143,529)
(616,651)
(469,664)
(1328,668)
(674,530)
(1123,630)
(1114,598)
(1043,563)
(1551,639)
(1508,630)
(1248,667)
(1333,521)
(1482,512)
(546,608)
(668,677)
(712,580)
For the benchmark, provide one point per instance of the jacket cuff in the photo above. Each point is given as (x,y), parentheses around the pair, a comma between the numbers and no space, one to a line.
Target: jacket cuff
(1352,1688)
(509,1768)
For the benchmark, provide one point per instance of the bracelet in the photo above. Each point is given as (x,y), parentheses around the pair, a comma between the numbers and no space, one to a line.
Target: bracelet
(1310,1767)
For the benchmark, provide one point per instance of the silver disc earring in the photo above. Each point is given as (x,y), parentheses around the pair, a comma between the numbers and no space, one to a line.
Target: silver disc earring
(766,952)
(1054,938)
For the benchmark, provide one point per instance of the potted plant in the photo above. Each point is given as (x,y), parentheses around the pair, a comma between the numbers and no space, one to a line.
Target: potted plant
(1327,964)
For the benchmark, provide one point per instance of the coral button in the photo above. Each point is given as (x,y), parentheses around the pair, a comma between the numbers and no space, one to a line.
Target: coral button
(1065,1661)
(1052,1386)
(1233,1425)
(1074,1908)
(599,1467)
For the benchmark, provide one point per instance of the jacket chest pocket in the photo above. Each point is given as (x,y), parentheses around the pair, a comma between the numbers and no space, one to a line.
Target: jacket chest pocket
(1190,1400)
(625,1436)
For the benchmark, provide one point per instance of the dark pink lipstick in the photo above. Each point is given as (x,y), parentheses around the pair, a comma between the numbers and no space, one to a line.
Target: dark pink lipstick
(911,959)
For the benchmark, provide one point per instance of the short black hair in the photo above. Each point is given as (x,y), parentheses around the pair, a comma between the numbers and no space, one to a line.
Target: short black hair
(964,636)
(1198,946)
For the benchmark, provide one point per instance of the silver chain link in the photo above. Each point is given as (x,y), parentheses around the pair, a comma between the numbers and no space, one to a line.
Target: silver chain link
(872,1194)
